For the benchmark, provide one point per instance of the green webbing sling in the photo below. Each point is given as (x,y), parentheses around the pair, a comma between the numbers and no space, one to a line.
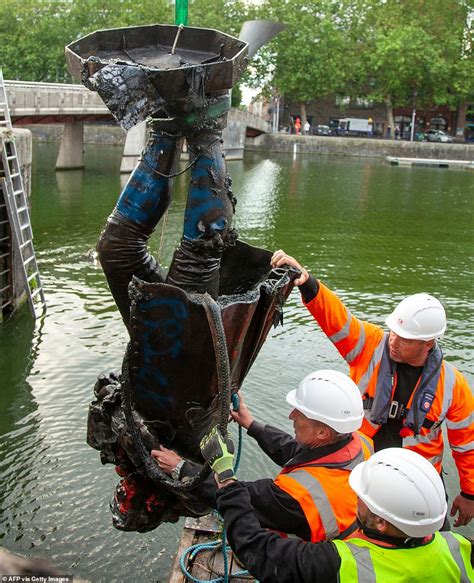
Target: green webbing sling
(181,12)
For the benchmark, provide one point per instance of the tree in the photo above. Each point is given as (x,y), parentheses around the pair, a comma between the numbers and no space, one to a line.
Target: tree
(34,32)
(307,60)
(224,15)
(413,52)
(459,50)
(236,96)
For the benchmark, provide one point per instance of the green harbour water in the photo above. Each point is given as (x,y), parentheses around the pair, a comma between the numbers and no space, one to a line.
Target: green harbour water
(372,232)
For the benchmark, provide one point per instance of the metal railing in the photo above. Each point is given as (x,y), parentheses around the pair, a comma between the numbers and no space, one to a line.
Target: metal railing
(29,98)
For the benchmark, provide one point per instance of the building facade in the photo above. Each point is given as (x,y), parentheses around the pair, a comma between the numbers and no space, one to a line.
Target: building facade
(330,110)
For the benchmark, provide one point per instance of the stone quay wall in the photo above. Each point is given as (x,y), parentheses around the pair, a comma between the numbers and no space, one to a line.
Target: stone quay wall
(360,147)
(23,141)
(93,133)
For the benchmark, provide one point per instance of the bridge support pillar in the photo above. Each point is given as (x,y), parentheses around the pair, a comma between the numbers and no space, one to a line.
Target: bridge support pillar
(134,144)
(71,150)
(234,138)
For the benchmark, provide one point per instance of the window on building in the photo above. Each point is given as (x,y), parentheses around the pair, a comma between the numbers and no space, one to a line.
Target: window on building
(403,123)
(438,123)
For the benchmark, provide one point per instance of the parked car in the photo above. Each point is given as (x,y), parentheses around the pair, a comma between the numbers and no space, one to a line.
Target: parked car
(438,136)
(322,130)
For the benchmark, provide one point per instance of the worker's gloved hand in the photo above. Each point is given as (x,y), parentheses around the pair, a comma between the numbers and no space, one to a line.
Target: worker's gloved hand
(219,454)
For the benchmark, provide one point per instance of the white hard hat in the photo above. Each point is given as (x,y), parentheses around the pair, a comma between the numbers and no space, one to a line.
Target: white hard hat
(418,317)
(404,488)
(331,397)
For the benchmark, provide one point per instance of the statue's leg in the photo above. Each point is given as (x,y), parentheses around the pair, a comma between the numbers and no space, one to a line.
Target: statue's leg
(122,247)
(208,217)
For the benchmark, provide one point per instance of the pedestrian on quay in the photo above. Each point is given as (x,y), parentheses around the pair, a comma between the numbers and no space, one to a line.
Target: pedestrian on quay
(307,127)
(298,126)
(401,506)
(310,497)
(408,389)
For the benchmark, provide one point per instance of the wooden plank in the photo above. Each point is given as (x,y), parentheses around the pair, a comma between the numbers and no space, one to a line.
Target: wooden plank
(217,564)
(200,570)
(200,531)
(236,568)
(187,539)
(207,523)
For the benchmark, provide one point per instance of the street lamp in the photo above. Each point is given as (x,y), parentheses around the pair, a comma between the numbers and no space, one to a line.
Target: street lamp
(413,116)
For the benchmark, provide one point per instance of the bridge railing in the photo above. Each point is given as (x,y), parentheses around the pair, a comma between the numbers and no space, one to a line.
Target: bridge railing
(33,98)
(250,120)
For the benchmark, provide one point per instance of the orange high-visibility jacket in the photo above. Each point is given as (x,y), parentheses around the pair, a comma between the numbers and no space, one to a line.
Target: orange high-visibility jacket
(322,489)
(441,394)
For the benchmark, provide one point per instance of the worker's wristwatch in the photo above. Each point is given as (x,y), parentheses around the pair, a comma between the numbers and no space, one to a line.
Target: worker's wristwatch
(176,471)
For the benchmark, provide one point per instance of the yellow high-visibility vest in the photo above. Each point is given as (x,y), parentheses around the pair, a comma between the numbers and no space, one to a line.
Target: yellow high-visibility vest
(445,559)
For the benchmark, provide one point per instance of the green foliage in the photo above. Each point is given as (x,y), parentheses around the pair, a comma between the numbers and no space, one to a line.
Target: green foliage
(309,55)
(384,50)
(225,15)
(34,32)
(417,47)
(381,49)
(236,96)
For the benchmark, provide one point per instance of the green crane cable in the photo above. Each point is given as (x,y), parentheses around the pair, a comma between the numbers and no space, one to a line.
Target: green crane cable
(181,12)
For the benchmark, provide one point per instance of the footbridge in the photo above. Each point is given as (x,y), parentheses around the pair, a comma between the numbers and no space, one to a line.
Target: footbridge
(74,105)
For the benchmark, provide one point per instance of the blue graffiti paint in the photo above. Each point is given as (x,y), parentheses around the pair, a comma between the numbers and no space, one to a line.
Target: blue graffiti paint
(149,379)
(142,195)
(177,306)
(195,216)
(146,191)
(173,347)
(204,203)
(144,389)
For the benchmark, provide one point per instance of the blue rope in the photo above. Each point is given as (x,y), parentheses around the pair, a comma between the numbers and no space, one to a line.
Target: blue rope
(224,556)
(193,550)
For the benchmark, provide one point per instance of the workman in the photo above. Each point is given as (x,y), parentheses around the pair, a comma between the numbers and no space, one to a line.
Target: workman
(310,497)
(401,505)
(408,388)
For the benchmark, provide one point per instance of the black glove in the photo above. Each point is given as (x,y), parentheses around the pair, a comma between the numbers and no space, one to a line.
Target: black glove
(219,454)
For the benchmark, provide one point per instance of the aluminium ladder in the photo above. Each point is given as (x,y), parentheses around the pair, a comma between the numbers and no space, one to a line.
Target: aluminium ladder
(14,196)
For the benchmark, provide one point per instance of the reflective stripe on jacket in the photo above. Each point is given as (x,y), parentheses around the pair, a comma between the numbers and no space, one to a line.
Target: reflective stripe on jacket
(322,489)
(447,557)
(446,396)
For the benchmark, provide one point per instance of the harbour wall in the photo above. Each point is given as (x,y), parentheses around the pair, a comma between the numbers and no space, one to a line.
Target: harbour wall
(285,143)
(360,147)
(12,263)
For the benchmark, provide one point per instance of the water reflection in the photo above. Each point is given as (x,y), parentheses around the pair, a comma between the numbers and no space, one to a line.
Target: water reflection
(15,365)
(70,184)
(373,232)
(20,420)
(258,201)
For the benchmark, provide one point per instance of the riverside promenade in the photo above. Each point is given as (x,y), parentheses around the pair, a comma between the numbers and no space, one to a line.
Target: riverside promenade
(360,147)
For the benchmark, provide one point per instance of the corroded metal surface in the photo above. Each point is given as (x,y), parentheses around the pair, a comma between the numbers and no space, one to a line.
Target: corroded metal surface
(140,70)
(195,331)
